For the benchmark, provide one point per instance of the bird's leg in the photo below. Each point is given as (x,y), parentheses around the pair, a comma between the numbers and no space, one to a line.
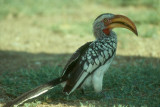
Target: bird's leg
(101,94)
(106,95)
(82,91)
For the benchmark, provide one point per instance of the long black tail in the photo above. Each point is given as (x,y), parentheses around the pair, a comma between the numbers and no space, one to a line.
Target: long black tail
(35,92)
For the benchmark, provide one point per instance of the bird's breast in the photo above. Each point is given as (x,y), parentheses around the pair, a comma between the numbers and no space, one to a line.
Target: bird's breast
(97,59)
(96,78)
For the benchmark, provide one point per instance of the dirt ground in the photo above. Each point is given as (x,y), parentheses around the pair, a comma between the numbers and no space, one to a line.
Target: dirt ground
(30,45)
(25,44)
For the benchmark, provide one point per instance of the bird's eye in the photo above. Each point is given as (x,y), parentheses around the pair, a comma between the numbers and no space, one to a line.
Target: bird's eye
(105,20)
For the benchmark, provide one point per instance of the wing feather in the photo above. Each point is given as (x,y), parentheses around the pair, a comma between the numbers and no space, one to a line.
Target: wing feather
(74,58)
(78,70)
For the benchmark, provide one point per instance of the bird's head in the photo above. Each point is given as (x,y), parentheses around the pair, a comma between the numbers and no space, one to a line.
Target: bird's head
(104,24)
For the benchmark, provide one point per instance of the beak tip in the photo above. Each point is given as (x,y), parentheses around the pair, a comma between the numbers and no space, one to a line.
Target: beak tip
(136,33)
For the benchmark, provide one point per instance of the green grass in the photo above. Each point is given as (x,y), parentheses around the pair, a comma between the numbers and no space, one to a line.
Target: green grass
(54,26)
(66,19)
(123,85)
(54,7)
(20,79)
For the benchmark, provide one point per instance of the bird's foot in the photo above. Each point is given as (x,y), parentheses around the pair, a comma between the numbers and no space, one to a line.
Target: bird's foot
(105,95)
(82,91)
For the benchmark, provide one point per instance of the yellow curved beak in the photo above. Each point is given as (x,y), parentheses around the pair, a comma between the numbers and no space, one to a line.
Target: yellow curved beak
(122,21)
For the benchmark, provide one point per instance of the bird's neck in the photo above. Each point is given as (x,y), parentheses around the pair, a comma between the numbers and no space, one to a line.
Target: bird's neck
(100,34)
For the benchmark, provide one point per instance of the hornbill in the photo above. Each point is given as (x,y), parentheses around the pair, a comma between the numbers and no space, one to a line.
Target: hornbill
(87,65)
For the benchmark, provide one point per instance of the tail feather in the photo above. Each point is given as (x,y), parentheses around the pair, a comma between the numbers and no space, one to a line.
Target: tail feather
(35,92)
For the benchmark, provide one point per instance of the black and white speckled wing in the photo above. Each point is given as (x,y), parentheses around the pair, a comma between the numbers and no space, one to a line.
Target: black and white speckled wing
(98,52)
(49,85)
(74,58)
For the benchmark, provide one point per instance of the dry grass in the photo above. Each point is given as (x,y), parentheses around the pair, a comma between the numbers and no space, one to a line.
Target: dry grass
(45,33)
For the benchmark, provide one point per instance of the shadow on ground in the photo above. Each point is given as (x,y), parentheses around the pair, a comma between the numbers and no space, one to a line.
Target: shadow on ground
(11,61)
